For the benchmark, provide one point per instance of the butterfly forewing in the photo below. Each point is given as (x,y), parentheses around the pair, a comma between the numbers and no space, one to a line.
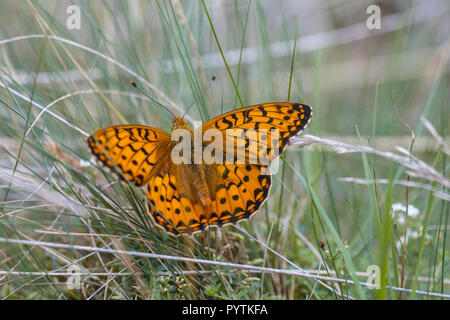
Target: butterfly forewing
(131,151)
(260,132)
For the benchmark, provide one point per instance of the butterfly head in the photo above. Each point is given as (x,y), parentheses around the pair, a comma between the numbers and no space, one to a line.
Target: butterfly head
(180,123)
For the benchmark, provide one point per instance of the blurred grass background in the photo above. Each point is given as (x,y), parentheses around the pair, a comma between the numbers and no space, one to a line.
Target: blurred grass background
(354,78)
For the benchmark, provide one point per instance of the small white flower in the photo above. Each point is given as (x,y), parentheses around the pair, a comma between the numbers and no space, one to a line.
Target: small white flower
(412,211)
(398,207)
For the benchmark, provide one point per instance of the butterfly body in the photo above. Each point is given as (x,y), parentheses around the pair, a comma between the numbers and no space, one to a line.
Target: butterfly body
(186,195)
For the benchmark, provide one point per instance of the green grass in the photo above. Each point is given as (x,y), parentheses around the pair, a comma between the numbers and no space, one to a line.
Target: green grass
(312,220)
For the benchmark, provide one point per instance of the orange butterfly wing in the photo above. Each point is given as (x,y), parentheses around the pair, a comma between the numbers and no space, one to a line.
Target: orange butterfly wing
(172,209)
(131,151)
(287,118)
(244,189)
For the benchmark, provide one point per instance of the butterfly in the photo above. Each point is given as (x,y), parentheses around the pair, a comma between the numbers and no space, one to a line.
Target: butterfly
(185,197)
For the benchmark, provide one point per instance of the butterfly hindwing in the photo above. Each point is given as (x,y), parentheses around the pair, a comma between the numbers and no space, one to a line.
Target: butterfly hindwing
(244,189)
(175,211)
(131,151)
(240,193)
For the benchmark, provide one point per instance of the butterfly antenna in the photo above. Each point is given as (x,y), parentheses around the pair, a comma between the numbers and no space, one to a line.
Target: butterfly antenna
(145,94)
(198,98)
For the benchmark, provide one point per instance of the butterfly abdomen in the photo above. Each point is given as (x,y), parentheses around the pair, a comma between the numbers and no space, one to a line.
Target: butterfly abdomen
(196,177)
